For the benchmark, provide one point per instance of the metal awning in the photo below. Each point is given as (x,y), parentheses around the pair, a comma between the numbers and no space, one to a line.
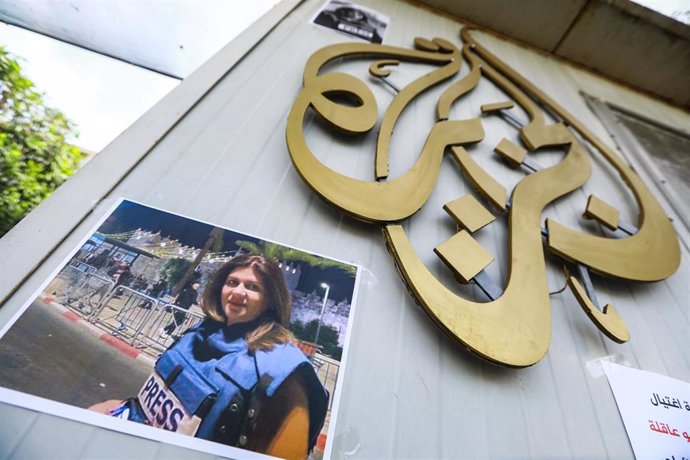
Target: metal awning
(616,38)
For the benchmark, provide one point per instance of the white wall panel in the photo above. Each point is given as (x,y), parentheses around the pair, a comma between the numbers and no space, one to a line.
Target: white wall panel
(409,391)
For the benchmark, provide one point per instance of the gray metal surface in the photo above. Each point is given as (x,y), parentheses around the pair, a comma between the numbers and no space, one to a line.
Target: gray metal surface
(408,391)
(672,154)
(618,38)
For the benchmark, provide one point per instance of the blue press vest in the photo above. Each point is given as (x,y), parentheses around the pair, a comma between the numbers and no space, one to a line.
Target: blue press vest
(227,392)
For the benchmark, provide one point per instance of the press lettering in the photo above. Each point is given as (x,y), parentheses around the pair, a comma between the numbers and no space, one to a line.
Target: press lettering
(152,391)
(174,421)
(163,414)
(157,402)
(148,385)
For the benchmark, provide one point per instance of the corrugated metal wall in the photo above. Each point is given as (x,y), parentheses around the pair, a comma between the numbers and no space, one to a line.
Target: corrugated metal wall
(409,391)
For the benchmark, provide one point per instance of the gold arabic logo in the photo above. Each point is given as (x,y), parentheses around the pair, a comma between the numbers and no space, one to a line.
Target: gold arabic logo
(514,327)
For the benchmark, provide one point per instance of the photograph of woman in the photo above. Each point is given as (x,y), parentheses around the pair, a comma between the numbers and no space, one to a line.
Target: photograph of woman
(235,343)
(236,377)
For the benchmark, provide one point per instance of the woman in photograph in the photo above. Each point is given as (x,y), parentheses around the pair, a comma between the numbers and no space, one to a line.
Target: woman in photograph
(236,377)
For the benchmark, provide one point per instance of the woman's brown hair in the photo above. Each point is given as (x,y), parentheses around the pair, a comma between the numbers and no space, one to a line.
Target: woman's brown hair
(273,328)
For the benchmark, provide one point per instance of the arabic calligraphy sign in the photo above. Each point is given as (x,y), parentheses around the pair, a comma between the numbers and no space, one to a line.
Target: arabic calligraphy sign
(512,324)
(655,410)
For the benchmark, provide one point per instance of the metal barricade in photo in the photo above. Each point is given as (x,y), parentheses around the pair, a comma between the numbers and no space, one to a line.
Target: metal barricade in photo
(327,369)
(142,321)
(170,323)
(63,282)
(125,312)
(80,287)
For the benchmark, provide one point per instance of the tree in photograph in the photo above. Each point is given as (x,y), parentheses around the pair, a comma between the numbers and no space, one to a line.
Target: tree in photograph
(176,269)
(328,337)
(35,157)
(214,241)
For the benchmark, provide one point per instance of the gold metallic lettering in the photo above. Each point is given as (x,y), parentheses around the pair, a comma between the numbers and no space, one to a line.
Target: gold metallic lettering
(655,242)
(513,329)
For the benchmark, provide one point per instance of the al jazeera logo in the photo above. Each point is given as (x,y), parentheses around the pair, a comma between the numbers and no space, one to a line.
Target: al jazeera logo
(512,325)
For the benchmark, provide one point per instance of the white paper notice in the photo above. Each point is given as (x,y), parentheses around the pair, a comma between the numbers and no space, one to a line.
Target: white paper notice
(655,411)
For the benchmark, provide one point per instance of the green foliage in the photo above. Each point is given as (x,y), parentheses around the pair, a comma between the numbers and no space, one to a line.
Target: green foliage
(175,269)
(282,253)
(35,157)
(328,337)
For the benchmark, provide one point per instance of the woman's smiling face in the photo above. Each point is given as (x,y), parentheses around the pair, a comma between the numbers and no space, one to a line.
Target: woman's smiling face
(243,296)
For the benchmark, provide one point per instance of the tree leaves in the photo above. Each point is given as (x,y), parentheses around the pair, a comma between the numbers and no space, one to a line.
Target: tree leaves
(35,157)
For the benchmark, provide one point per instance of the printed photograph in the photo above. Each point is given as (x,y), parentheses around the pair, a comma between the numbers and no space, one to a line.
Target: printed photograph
(164,321)
(352,19)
